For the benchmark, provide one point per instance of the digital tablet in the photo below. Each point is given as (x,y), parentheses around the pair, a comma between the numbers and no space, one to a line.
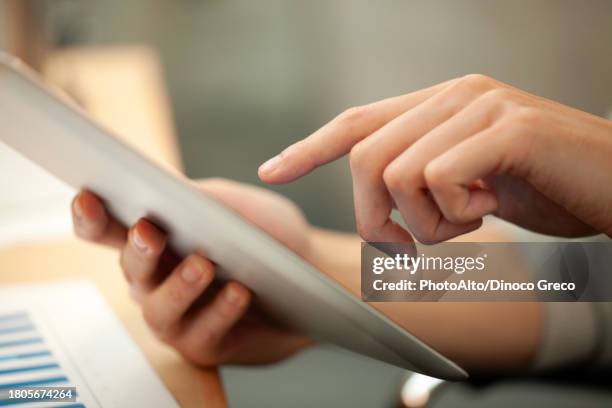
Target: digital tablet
(54,133)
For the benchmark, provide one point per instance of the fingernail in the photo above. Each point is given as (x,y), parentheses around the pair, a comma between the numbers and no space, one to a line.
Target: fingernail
(78,210)
(139,242)
(79,215)
(270,165)
(191,272)
(233,296)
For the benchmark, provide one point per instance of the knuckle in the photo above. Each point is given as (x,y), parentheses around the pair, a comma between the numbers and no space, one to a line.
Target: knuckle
(207,340)
(506,125)
(525,116)
(435,175)
(131,272)
(496,103)
(365,232)
(188,348)
(198,353)
(361,230)
(358,156)
(352,115)
(164,330)
(191,355)
(393,177)
(176,294)
(462,90)
(474,83)
(455,215)
(498,95)
(228,311)
(424,237)
(477,80)
(426,232)
(152,319)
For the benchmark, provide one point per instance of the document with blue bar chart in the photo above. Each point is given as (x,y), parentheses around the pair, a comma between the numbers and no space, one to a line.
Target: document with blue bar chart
(61,346)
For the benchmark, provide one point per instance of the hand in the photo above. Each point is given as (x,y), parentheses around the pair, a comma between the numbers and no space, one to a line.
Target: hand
(208,325)
(446,156)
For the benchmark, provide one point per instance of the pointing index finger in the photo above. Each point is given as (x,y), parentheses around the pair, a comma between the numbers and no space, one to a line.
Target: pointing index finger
(337,137)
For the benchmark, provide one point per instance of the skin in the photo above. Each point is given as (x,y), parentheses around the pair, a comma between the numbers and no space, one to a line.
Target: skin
(444,157)
(447,155)
(211,325)
(208,325)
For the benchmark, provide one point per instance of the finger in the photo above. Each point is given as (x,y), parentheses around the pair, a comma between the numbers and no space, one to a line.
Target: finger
(450,176)
(141,254)
(92,222)
(405,176)
(165,306)
(370,158)
(337,137)
(211,324)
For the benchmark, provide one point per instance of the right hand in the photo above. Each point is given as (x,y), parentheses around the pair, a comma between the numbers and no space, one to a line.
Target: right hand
(446,156)
(207,325)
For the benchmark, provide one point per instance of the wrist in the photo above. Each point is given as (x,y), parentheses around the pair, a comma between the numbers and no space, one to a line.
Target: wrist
(338,255)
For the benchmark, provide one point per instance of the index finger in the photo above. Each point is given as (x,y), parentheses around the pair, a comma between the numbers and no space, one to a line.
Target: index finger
(337,137)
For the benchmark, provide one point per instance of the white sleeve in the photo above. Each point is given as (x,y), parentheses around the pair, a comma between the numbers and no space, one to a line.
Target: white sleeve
(578,332)
(570,334)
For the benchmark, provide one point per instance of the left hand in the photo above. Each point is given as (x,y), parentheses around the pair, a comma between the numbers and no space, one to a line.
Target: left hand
(447,155)
(207,325)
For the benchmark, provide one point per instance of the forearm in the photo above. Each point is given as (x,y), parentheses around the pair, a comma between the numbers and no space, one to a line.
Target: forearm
(479,336)
(338,255)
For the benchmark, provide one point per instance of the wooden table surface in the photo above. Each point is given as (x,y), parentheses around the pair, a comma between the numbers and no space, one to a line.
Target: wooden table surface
(123,89)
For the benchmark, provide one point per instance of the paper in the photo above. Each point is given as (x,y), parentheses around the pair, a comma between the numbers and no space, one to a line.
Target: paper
(64,335)
(34,205)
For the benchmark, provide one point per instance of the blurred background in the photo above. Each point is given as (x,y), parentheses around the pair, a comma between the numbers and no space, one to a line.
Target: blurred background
(246,78)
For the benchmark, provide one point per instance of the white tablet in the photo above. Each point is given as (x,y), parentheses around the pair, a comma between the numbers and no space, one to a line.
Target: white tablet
(66,142)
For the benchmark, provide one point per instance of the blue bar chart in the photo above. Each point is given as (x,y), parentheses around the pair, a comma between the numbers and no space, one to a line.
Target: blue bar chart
(62,337)
(27,361)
